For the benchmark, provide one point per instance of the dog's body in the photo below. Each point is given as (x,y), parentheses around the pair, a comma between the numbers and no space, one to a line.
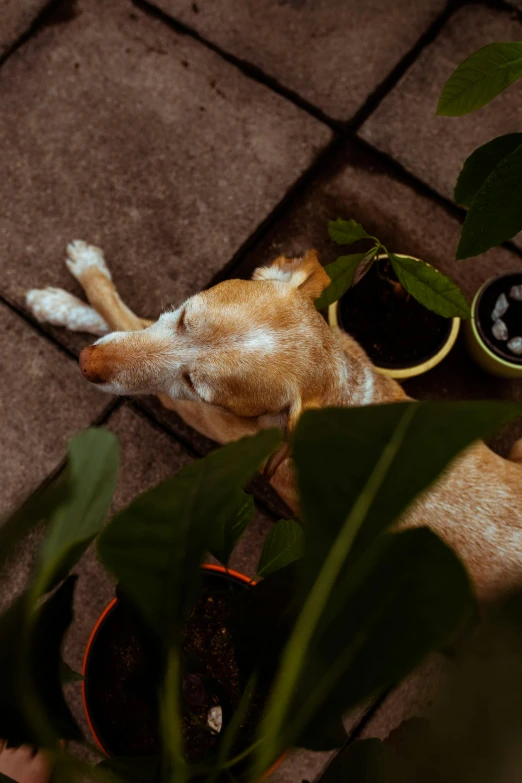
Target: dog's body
(245,355)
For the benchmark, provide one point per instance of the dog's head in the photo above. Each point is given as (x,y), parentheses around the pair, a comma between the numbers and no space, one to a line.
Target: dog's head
(252,347)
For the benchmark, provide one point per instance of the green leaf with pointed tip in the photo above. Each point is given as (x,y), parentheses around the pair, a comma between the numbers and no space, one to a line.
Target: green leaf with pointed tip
(92,469)
(42,668)
(154,547)
(481,163)
(39,506)
(431,288)
(480,78)
(68,675)
(283,545)
(231,524)
(346,232)
(495,214)
(341,273)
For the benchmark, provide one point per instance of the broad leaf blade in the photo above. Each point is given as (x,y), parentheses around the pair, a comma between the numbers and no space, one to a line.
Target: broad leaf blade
(68,675)
(431,288)
(480,78)
(36,508)
(155,545)
(495,214)
(411,596)
(341,272)
(231,524)
(91,474)
(40,677)
(351,441)
(346,232)
(481,163)
(283,545)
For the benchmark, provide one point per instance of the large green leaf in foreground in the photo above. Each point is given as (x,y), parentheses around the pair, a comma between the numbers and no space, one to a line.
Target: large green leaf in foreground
(357,471)
(155,546)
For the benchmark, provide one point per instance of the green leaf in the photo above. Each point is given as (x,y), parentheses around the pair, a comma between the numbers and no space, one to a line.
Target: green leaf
(154,547)
(374,461)
(341,273)
(231,524)
(283,545)
(480,78)
(68,675)
(93,460)
(495,214)
(346,232)
(406,595)
(37,507)
(431,288)
(481,163)
(31,685)
(351,441)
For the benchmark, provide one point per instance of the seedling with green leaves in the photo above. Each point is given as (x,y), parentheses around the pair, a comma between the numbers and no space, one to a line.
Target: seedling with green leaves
(490,182)
(422,281)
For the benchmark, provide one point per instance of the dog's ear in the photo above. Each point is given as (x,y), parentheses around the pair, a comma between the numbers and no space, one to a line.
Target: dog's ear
(306,274)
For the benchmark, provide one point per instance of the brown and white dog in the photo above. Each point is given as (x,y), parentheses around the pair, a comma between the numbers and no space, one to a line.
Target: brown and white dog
(245,355)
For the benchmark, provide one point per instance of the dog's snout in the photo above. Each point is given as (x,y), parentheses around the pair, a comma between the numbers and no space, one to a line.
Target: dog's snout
(89,366)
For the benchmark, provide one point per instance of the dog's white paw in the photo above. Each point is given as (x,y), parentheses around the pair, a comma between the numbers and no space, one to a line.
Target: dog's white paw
(81,256)
(59,308)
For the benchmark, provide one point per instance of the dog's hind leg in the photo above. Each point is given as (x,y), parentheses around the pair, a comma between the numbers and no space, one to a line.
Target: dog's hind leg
(87,264)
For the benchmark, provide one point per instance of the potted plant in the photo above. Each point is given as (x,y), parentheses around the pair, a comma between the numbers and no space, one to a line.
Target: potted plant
(404,313)
(340,613)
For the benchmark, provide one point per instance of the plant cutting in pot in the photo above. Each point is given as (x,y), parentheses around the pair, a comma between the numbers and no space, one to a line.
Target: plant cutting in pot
(338,614)
(404,313)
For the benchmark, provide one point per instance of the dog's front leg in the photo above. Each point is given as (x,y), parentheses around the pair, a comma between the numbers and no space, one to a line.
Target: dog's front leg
(87,264)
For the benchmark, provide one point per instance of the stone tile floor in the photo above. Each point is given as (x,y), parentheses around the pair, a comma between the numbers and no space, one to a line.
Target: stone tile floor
(194,141)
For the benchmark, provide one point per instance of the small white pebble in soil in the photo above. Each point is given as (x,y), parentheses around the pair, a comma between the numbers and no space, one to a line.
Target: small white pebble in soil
(500,330)
(516,293)
(501,307)
(515,345)
(215,719)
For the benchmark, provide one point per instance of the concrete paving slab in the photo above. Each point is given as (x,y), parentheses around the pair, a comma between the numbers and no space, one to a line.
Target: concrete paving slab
(333,53)
(16,16)
(43,402)
(117,130)
(359,184)
(405,125)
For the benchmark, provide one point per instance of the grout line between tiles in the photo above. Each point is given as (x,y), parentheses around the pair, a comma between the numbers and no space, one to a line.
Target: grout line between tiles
(35,26)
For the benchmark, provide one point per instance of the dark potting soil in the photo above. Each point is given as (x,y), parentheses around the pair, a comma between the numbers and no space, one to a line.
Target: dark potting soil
(512,318)
(393,328)
(124,668)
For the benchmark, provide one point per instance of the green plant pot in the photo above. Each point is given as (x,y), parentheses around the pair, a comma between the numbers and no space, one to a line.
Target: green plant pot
(482,350)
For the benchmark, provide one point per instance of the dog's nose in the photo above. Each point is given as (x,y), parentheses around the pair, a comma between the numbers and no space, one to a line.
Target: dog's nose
(88,365)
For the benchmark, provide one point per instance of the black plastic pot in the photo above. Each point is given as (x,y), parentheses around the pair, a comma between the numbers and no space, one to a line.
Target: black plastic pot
(362,314)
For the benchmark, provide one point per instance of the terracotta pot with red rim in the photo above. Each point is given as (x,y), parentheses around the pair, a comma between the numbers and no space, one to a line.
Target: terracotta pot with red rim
(119,668)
